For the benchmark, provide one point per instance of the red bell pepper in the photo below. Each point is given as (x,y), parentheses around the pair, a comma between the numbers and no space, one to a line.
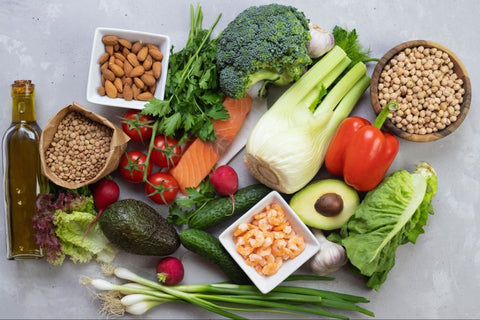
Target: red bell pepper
(362,152)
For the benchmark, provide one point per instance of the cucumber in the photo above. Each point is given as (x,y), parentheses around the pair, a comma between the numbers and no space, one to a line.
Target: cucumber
(220,209)
(209,247)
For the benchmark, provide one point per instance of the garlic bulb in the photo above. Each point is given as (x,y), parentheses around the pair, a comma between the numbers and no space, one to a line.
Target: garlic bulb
(321,41)
(329,258)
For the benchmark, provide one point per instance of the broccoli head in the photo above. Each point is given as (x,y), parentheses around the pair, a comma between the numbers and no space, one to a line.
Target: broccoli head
(265,43)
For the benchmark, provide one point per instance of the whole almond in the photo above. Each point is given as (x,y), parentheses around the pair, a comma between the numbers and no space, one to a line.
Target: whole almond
(125,52)
(149,80)
(110,89)
(119,63)
(116,47)
(111,60)
(156,54)
(142,54)
(127,80)
(117,70)
(132,58)
(147,64)
(138,82)
(145,96)
(109,49)
(137,71)
(136,91)
(110,40)
(157,69)
(101,90)
(152,89)
(127,68)
(108,74)
(151,46)
(119,56)
(124,42)
(118,84)
(103,58)
(104,66)
(102,79)
(137,46)
(128,92)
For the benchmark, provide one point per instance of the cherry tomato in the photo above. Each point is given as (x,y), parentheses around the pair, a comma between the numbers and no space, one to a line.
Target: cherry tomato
(161,187)
(137,126)
(132,166)
(166,152)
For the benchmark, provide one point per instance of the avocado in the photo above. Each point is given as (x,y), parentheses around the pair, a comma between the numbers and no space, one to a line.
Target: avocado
(326,204)
(136,227)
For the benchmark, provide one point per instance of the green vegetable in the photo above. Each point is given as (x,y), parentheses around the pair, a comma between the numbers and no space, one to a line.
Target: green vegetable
(348,41)
(268,43)
(209,247)
(222,298)
(392,214)
(287,146)
(70,228)
(192,98)
(220,209)
(136,227)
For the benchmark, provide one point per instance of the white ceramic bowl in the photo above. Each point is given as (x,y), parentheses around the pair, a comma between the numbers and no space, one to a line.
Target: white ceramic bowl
(94,75)
(266,283)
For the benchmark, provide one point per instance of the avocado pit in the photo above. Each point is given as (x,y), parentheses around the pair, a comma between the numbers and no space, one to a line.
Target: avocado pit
(329,204)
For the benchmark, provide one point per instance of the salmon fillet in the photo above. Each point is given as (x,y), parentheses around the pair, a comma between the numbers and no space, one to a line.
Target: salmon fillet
(200,157)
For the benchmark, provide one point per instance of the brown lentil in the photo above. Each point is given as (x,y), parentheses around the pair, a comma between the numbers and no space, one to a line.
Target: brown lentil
(424,84)
(88,147)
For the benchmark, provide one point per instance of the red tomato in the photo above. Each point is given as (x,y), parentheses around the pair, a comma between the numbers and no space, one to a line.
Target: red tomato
(166,152)
(132,166)
(137,126)
(161,187)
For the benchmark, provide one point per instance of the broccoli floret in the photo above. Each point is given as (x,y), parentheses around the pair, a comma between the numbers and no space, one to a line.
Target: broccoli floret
(265,43)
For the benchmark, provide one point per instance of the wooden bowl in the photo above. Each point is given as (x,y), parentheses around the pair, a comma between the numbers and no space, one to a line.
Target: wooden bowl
(459,69)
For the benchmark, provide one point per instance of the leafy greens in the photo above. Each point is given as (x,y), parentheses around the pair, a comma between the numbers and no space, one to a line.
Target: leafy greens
(392,214)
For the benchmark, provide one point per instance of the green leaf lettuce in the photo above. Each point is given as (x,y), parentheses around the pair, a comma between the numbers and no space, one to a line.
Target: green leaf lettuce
(392,214)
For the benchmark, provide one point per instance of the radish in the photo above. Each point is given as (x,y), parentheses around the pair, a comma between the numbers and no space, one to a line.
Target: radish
(170,271)
(105,193)
(225,182)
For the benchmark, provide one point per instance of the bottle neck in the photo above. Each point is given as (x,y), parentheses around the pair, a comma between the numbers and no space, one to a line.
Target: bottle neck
(23,107)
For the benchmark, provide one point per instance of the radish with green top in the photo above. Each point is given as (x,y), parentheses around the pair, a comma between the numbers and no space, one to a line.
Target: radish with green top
(170,271)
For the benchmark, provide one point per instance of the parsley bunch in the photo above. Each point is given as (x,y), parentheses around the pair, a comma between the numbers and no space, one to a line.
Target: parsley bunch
(193,98)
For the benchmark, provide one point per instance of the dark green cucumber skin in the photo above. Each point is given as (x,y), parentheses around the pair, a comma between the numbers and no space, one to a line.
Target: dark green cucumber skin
(220,209)
(136,227)
(209,247)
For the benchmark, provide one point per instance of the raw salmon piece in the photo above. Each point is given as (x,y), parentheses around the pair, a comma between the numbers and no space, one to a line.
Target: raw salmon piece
(200,157)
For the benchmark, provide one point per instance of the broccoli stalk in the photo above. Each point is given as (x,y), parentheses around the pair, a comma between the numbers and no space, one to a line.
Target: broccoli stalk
(265,43)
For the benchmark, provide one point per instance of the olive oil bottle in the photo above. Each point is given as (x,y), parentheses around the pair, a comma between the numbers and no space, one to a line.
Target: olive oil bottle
(22,176)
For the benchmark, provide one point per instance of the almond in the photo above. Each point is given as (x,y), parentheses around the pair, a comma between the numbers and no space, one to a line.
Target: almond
(128,81)
(125,52)
(118,84)
(117,70)
(137,71)
(109,50)
(157,69)
(111,60)
(137,46)
(119,63)
(156,54)
(145,96)
(116,47)
(124,42)
(132,58)
(110,40)
(110,89)
(136,91)
(151,46)
(147,64)
(119,56)
(108,74)
(149,80)
(128,92)
(103,58)
(138,82)
(104,66)
(152,89)
(101,90)
(142,54)
(127,68)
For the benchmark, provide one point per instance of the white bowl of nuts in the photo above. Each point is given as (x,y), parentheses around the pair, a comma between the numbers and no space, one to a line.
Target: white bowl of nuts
(269,242)
(127,68)
(430,85)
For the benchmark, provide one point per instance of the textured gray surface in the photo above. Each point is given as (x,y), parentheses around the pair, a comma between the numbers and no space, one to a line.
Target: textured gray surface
(50,42)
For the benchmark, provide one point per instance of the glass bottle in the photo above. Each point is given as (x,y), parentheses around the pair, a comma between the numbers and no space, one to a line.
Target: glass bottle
(22,176)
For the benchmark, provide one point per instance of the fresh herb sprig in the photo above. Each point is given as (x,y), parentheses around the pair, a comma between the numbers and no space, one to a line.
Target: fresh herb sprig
(193,98)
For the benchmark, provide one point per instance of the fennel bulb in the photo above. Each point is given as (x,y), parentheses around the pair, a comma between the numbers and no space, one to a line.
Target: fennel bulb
(287,146)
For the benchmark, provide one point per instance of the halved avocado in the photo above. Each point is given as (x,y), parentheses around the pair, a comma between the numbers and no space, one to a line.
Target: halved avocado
(326,204)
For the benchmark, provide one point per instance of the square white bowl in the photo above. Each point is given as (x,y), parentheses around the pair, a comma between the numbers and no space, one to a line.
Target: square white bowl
(266,283)
(98,48)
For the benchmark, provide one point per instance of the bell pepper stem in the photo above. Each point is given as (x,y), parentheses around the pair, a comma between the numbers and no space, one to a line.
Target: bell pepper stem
(382,116)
